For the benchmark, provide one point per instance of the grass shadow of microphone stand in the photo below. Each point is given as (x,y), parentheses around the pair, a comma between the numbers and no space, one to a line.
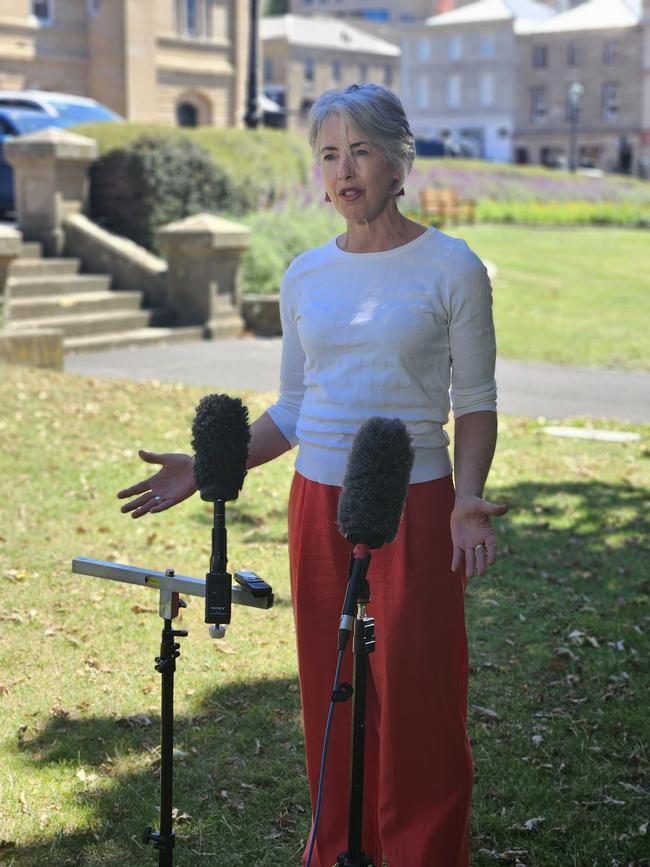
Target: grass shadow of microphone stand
(239,783)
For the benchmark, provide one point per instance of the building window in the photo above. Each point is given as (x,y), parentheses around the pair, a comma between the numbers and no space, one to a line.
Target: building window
(611,52)
(208,13)
(336,71)
(309,69)
(363,73)
(455,48)
(424,50)
(454,91)
(268,69)
(573,101)
(388,75)
(191,17)
(487,88)
(540,56)
(422,97)
(575,54)
(611,91)
(538,104)
(43,10)
(486,45)
(194,18)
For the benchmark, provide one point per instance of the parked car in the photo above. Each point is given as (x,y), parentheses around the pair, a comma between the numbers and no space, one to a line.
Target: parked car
(429,147)
(66,107)
(22,112)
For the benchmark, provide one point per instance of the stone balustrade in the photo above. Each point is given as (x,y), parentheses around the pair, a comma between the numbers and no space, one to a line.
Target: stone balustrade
(203,256)
(50,181)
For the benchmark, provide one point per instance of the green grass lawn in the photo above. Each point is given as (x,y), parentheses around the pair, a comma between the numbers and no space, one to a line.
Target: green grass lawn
(558,636)
(566,295)
(569,295)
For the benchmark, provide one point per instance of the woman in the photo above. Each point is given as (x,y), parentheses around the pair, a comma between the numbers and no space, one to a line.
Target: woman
(380,321)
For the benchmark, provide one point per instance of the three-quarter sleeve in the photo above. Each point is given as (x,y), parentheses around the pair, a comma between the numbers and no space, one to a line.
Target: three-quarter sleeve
(472,344)
(285,411)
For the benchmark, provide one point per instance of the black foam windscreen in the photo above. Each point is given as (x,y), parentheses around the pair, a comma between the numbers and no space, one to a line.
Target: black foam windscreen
(220,437)
(376,482)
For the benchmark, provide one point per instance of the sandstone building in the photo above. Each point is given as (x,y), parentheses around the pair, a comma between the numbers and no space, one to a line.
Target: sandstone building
(603,47)
(169,61)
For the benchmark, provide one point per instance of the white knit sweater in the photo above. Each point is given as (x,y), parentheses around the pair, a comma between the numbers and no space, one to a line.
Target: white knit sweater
(386,334)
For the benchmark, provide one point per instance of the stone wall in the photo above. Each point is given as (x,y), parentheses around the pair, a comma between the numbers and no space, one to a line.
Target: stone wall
(43,348)
(133,268)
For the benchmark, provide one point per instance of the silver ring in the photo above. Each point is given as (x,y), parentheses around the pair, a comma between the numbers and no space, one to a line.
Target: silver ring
(476,547)
(158,499)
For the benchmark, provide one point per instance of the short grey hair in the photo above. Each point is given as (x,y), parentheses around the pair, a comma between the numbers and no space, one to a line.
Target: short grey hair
(377,112)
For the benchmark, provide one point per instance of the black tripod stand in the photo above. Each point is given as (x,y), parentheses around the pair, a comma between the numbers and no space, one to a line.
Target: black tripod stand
(250,590)
(165,839)
(358,596)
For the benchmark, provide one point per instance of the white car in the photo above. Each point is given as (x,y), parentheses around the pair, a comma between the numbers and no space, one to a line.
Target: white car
(65,107)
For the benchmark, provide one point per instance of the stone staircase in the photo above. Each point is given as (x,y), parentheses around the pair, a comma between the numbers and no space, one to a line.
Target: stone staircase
(51,293)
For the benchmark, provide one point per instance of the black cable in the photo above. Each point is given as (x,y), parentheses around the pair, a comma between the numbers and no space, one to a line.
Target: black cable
(326,737)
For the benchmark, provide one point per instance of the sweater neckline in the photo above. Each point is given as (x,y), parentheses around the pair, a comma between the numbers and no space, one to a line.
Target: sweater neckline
(381,254)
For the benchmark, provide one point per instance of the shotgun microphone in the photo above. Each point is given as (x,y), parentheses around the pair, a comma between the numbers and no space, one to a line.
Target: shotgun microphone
(376,483)
(220,438)
(372,501)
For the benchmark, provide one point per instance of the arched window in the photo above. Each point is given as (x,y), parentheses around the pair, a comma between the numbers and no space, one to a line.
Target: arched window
(187,114)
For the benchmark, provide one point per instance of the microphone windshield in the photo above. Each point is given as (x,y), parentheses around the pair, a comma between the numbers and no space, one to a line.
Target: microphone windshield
(376,482)
(220,438)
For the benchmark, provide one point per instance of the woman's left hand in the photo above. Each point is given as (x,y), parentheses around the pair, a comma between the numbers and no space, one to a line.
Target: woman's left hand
(472,534)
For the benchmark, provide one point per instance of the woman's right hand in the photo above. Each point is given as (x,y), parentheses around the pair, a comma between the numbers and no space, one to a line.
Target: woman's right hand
(172,484)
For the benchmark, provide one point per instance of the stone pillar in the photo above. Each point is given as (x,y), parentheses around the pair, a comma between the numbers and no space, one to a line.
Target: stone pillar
(10,243)
(51,181)
(203,255)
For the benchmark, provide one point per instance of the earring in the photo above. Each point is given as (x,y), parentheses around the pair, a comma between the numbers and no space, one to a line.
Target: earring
(327,197)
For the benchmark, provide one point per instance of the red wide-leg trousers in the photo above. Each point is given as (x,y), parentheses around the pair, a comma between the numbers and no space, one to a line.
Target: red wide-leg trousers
(418,766)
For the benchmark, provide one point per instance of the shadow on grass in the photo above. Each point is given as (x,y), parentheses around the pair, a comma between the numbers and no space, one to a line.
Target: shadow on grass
(559,649)
(240,786)
(271,526)
(568,529)
(239,783)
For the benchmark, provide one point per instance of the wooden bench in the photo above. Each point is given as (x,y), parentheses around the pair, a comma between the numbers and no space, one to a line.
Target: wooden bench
(444,206)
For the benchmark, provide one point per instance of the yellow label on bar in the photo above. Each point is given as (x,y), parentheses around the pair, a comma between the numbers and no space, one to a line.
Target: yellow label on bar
(151,581)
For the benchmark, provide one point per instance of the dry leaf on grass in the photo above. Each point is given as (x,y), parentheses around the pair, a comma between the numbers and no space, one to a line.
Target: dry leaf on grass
(486,713)
(529,824)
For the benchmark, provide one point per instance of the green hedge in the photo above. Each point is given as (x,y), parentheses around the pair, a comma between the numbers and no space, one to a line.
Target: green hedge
(552,213)
(277,237)
(134,190)
(262,166)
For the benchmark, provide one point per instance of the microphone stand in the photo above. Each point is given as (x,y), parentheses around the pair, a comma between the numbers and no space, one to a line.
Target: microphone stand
(164,840)
(218,595)
(357,596)
(249,590)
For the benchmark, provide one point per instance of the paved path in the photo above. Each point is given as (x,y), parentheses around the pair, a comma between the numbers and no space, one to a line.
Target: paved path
(525,389)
